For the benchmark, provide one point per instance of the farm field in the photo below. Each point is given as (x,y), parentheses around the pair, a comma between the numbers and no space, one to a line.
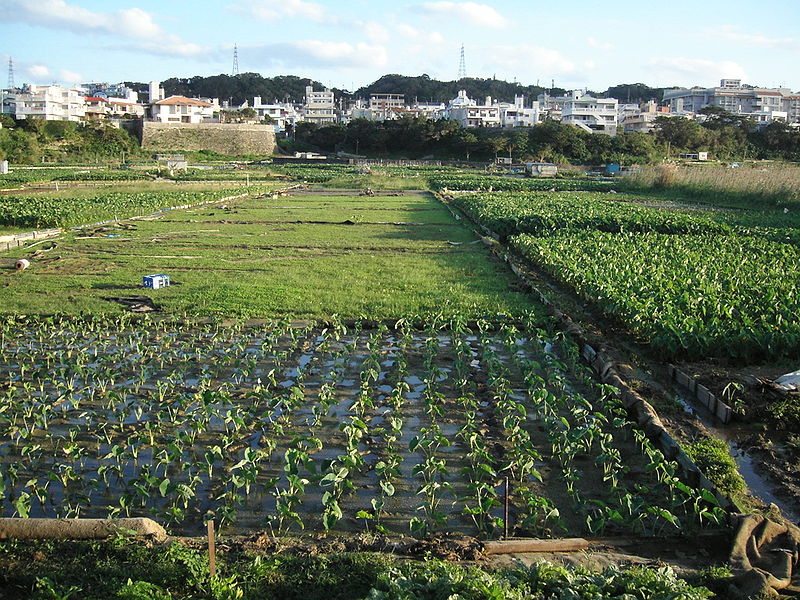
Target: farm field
(334,363)
(327,426)
(708,286)
(672,275)
(301,255)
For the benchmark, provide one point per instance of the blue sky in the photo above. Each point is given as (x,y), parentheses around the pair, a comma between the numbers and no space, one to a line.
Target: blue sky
(349,44)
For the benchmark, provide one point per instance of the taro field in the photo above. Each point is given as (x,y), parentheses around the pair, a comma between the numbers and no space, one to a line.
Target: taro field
(326,426)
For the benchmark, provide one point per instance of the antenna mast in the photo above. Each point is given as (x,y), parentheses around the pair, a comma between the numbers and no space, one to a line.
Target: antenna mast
(11,85)
(235,69)
(462,65)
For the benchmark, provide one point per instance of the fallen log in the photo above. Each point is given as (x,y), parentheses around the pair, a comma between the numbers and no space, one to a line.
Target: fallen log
(78,529)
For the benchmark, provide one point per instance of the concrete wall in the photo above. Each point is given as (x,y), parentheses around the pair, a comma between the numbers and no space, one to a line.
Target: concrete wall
(225,138)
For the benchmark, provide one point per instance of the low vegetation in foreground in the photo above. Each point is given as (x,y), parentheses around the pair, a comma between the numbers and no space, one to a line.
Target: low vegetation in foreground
(132,571)
(328,426)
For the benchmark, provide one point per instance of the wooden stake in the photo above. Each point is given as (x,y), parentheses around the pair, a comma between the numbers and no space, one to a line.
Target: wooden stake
(505,513)
(212,550)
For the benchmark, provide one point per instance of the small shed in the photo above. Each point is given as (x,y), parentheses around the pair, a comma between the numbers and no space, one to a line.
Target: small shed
(694,156)
(540,169)
(155,282)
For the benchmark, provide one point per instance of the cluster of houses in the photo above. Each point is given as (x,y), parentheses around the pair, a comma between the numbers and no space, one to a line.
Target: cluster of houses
(578,108)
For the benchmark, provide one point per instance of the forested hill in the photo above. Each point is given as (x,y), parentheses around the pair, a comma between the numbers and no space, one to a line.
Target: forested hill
(238,88)
(290,88)
(425,89)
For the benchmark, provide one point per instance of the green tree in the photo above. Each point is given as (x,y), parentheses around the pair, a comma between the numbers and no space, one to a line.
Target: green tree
(680,133)
(21,146)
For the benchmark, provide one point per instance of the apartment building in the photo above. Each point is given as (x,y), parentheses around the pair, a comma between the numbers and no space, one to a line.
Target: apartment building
(595,115)
(319,107)
(469,113)
(284,115)
(762,104)
(640,117)
(47,102)
(519,115)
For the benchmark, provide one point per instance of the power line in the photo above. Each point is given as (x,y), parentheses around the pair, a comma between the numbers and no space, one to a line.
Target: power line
(235,70)
(462,65)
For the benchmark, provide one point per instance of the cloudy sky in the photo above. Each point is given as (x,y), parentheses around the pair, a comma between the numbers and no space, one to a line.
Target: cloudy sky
(347,44)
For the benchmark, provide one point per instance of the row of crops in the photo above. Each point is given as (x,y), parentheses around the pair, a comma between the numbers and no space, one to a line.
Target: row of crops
(470,180)
(540,213)
(689,284)
(19,177)
(47,210)
(324,173)
(326,426)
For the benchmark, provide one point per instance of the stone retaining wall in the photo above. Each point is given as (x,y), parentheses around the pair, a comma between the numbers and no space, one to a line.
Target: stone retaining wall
(225,138)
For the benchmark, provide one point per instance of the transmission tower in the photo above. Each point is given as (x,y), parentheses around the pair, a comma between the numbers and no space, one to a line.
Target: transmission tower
(11,85)
(462,65)
(235,70)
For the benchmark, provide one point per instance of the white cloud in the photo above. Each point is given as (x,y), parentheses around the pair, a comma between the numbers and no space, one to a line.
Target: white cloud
(275,10)
(481,15)
(38,72)
(412,33)
(598,44)
(528,59)
(173,48)
(375,32)
(732,34)
(136,23)
(695,71)
(67,76)
(129,23)
(316,53)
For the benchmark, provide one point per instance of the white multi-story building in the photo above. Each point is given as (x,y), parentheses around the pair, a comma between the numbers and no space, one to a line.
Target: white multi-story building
(387,101)
(48,102)
(596,115)
(319,107)
(791,105)
(469,113)
(282,114)
(762,104)
(551,106)
(642,118)
(381,107)
(430,110)
(517,114)
(180,109)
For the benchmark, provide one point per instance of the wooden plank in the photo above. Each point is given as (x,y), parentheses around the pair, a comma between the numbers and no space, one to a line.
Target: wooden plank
(534,545)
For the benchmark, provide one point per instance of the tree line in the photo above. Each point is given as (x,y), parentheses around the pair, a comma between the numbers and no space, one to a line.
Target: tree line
(723,135)
(237,89)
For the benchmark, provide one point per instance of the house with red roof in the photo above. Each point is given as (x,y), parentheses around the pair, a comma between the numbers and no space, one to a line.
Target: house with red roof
(180,109)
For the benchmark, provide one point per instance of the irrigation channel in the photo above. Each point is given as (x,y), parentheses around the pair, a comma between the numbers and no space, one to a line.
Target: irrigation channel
(737,437)
(326,426)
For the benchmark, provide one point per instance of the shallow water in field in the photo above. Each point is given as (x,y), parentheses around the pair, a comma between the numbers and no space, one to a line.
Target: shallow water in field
(249,421)
(736,437)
